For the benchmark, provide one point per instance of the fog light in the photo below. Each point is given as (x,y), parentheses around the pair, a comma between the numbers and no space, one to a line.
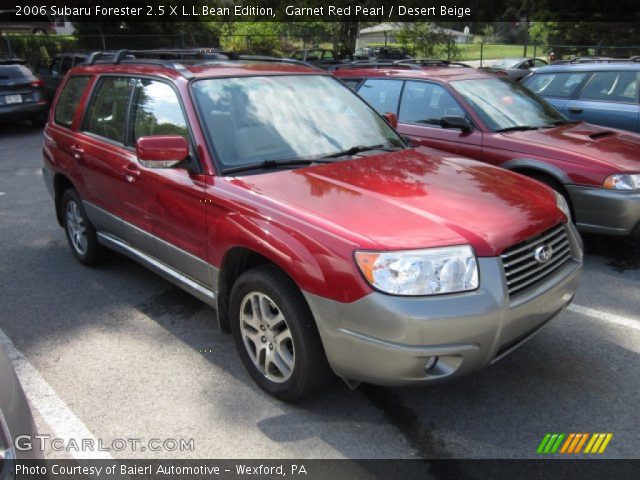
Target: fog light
(431,362)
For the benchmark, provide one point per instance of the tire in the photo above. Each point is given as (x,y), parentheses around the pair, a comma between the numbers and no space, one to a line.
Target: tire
(279,346)
(557,186)
(80,233)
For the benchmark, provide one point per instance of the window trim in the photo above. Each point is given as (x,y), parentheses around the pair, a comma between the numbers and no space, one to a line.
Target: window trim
(594,73)
(71,77)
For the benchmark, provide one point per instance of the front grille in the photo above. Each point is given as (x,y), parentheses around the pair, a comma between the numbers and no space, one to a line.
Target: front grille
(521,267)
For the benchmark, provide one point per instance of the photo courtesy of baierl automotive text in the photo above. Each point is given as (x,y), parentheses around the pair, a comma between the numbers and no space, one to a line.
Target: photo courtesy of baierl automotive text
(370,240)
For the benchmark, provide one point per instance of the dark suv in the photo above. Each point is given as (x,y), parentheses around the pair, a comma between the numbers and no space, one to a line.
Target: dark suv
(21,92)
(272,192)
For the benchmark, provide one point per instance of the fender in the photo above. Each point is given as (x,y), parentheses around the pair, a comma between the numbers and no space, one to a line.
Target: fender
(532,164)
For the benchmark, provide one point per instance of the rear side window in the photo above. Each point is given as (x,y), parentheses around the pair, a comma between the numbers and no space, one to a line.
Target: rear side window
(558,85)
(69,100)
(107,112)
(426,103)
(618,87)
(383,95)
(156,110)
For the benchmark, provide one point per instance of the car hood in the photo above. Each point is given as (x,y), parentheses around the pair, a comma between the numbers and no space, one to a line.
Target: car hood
(414,199)
(609,147)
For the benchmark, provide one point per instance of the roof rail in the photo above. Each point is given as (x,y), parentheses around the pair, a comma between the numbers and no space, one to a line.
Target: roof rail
(370,64)
(412,64)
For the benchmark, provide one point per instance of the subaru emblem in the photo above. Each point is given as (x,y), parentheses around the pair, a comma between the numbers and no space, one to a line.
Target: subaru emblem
(543,253)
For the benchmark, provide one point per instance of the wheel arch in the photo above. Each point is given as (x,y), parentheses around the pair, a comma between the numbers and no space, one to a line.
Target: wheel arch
(527,165)
(61,183)
(237,260)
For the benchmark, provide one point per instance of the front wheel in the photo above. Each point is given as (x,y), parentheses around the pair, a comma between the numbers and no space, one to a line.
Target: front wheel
(276,335)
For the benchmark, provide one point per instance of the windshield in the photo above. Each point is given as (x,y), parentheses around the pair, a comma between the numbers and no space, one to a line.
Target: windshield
(286,117)
(505,105)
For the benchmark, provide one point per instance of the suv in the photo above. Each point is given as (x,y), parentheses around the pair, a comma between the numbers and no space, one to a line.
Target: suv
(601,92)
(272,192)
(495,120)
(21,92)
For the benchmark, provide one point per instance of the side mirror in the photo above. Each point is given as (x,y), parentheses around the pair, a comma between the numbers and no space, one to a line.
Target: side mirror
(458,123)
(161,151)
(391,118)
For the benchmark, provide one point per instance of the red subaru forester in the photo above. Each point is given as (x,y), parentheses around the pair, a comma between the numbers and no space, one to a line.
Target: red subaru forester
(326,244)
(497,121)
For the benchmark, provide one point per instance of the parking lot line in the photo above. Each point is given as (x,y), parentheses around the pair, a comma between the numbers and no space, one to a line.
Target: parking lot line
(62,421)
(606,316)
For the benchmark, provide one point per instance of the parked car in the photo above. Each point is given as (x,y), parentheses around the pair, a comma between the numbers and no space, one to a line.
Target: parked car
(15,420)
(514,68)
(603,93)
(500,122)
(30,24)
(53,74)
(275,194)
(381,53)
(318,57)
(22,94)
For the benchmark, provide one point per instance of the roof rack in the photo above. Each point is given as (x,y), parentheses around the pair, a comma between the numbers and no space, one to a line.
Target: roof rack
(194,56)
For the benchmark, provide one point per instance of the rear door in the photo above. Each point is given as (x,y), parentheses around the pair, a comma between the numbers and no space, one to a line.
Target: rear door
(100,143)
(610,99)
(422,107)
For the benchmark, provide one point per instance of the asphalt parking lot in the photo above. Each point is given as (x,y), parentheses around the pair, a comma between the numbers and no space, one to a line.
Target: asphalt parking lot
(116,352)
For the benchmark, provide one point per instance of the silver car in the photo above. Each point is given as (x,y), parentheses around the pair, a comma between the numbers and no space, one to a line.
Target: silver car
(15,419)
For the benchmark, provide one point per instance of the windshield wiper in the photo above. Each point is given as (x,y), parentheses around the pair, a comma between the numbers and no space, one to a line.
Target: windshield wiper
(520,128)
(362,148)
(271,164)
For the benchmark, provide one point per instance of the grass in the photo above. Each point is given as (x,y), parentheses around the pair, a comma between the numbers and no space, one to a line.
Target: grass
(472,51)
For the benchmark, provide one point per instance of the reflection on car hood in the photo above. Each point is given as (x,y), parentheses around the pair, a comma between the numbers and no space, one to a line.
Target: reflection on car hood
(415,199)
(616,148)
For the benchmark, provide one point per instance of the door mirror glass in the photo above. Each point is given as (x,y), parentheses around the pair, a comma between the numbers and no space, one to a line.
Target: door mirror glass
(161,151)
(458,123)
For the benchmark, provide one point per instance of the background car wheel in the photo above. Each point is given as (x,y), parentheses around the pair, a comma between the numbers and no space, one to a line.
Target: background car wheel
(276,335)
(80,233)
(557,186)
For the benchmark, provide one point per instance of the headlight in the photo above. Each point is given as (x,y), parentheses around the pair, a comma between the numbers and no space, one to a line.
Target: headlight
(562,204)
(622,181)
(430,271)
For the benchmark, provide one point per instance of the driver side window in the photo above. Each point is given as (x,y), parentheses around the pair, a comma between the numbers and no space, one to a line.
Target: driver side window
(427,103)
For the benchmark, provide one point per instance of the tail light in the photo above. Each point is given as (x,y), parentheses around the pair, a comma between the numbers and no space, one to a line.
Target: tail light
(37,83)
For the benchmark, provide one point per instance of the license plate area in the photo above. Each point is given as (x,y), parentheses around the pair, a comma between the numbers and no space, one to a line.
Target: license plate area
(12,99)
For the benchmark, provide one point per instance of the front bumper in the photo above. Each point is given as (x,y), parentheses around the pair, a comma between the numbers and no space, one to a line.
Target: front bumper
(388,340)
(606,212)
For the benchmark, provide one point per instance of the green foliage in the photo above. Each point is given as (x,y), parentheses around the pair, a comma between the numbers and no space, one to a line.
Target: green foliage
(38,50)
(425,41)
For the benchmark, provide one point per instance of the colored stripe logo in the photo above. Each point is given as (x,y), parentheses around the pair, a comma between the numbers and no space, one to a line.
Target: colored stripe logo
(552,443)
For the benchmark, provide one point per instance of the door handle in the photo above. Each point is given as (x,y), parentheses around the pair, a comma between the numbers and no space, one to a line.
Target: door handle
(78,151)
(131,172)
(575,110)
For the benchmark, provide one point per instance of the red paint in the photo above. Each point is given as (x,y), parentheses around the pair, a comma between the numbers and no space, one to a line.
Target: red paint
(161,148)
(585,159)
(309,220)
